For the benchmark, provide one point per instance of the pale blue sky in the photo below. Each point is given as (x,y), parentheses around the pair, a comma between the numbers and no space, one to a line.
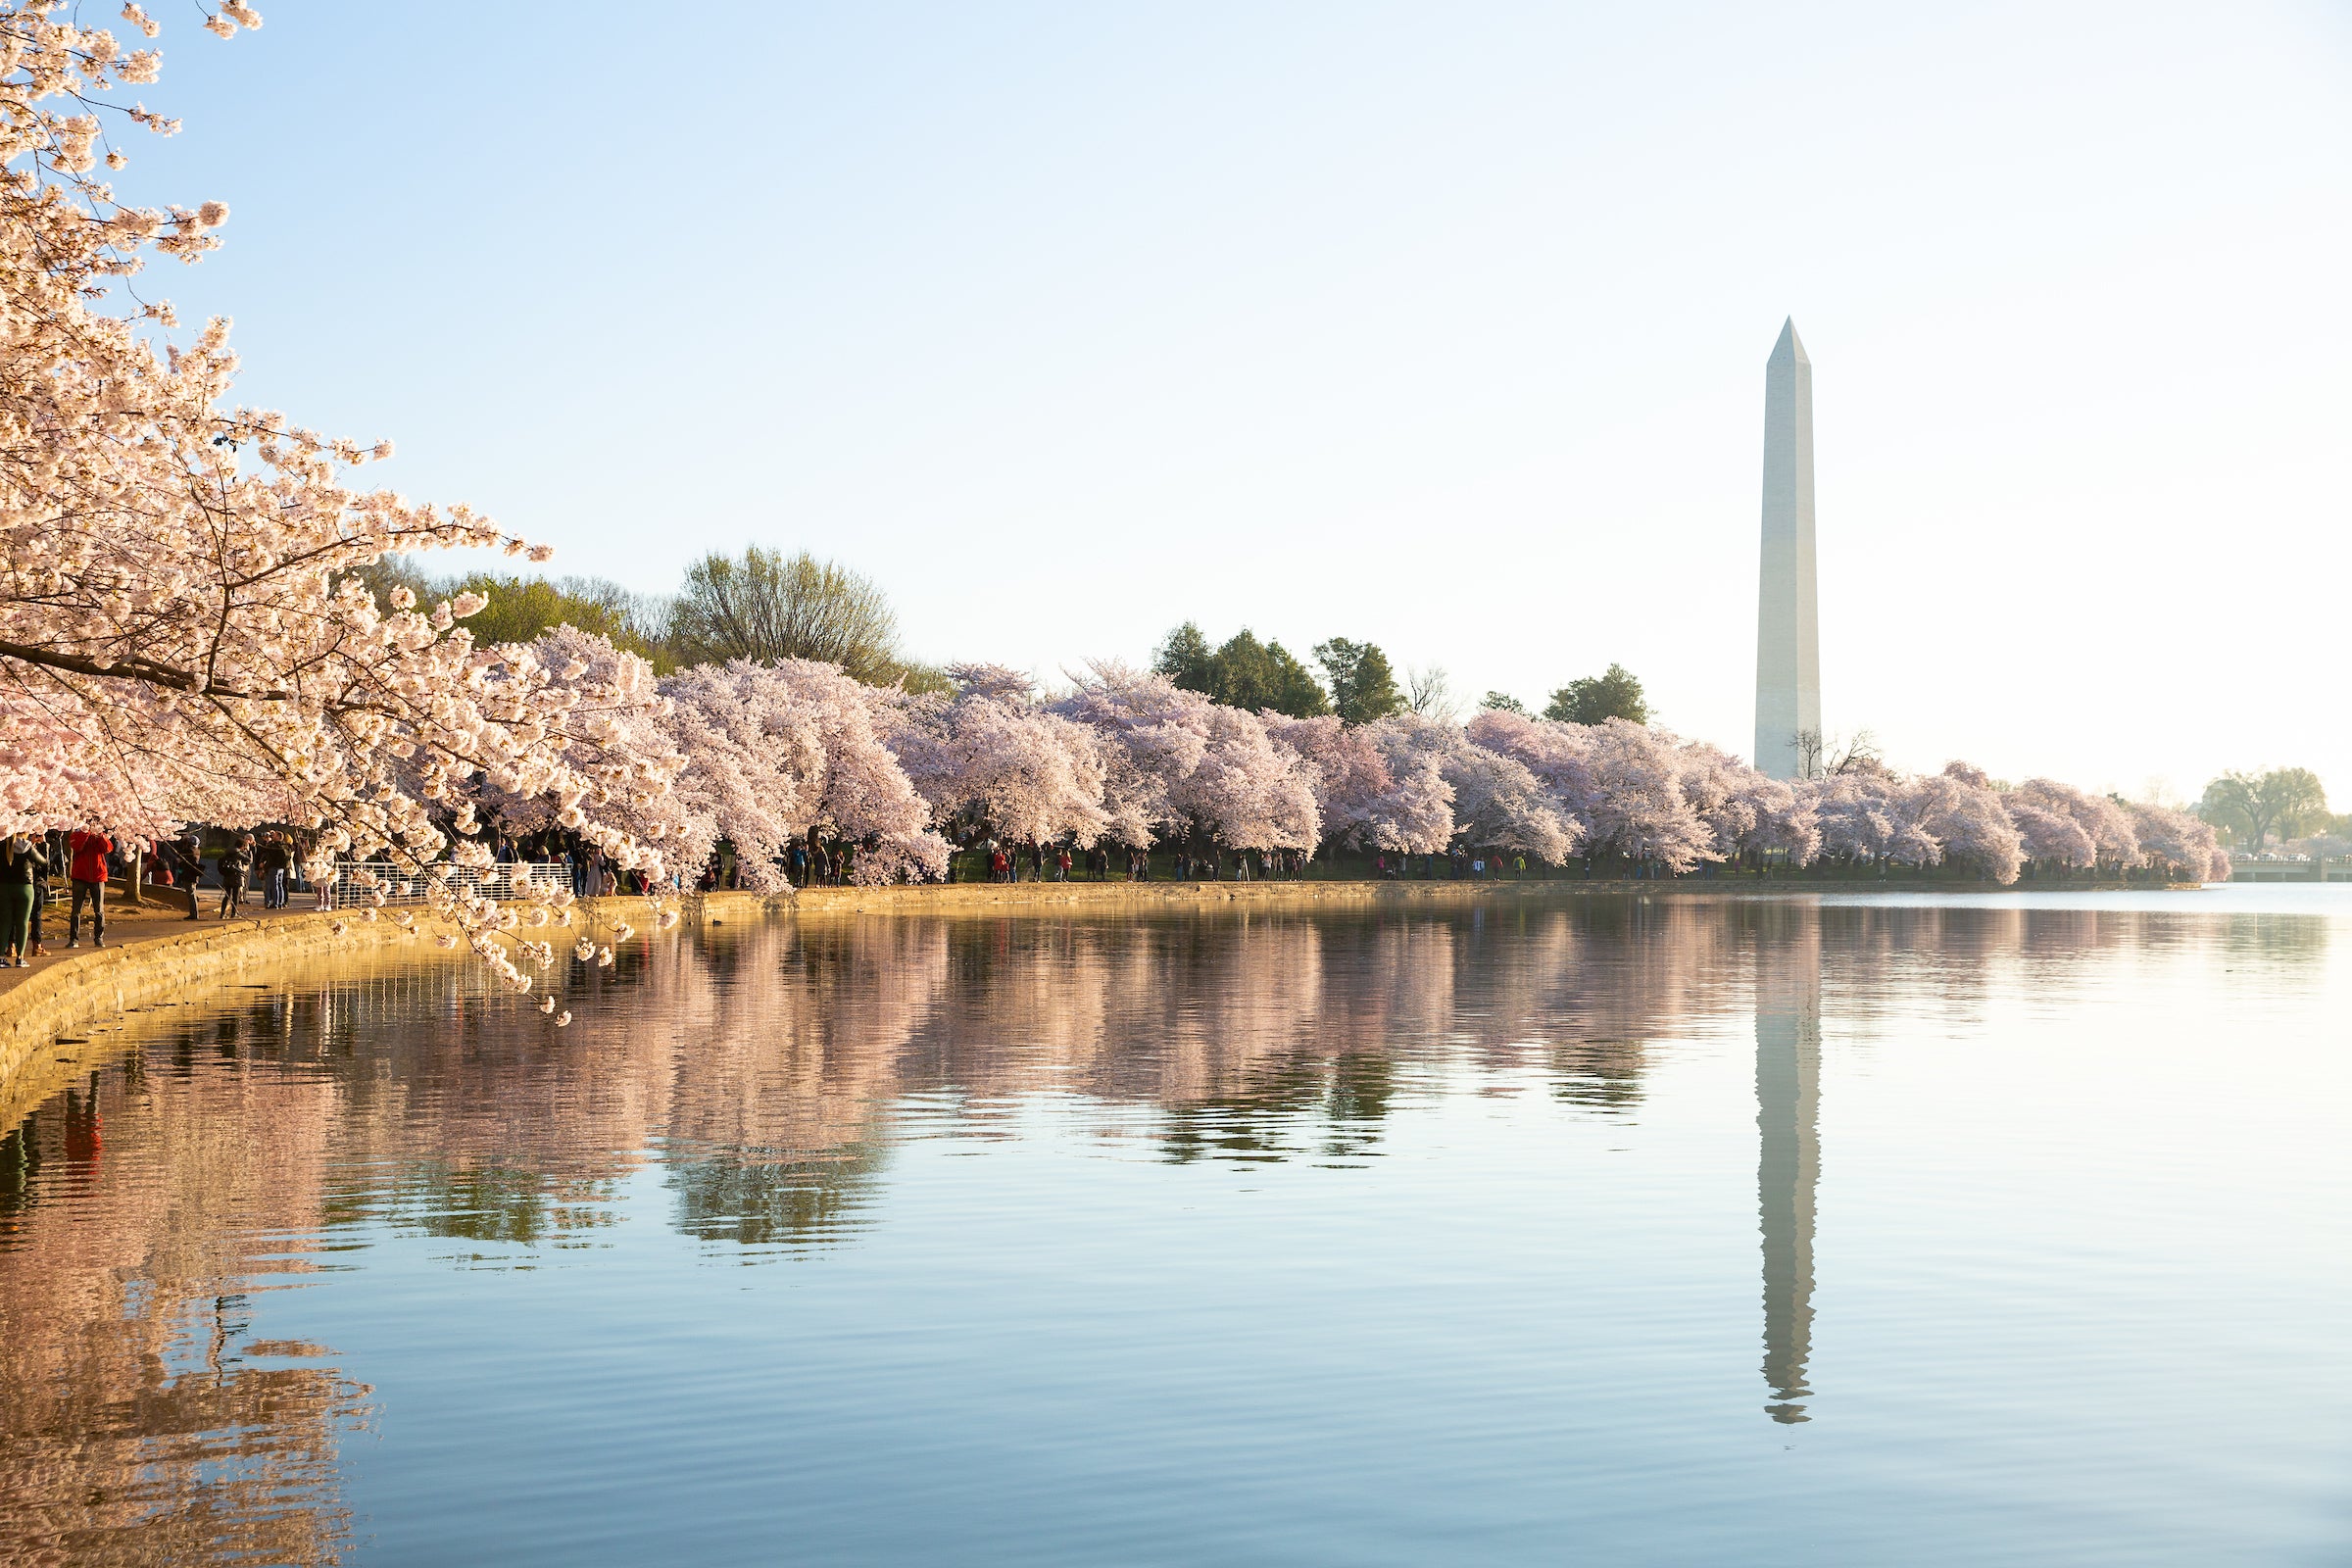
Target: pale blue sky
(1441,327)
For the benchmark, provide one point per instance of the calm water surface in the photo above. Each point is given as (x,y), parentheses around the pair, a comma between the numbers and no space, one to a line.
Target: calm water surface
(1668,1230)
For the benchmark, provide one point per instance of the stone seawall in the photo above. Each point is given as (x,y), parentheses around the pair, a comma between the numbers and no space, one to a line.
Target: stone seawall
(40,1018)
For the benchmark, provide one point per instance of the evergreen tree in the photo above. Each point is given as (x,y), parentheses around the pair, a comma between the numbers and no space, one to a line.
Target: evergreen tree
(1589,701)
(1243,673)
(1363,687)
(1185,658)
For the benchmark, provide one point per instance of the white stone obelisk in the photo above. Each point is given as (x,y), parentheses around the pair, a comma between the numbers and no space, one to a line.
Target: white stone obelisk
(1788,622)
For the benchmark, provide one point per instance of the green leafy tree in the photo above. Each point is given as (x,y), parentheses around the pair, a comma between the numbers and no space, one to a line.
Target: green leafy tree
(1244,672)
(2252,805)
(1613,695)
(1363,687)
(766,606)
(1256,675)
(1187,659)
(522,608)
(1503,701)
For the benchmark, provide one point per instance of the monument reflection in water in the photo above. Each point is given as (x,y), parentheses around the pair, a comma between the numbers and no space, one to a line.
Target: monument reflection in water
(1789,1167)
(1255,1235)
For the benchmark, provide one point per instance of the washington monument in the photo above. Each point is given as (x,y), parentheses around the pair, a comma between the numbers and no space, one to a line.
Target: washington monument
(1788,624)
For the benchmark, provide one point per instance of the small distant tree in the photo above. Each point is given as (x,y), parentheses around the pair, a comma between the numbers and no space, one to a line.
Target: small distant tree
(1364,688)
(765,606)
(2251,805)
(1615,694)
(1811,747)
(1501,703)
(1858,754)
(1429,693)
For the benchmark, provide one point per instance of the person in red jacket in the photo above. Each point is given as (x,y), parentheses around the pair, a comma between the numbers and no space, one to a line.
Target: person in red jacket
(89,867)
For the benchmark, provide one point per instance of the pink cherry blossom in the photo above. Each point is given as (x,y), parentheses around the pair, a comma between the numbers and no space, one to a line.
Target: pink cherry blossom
(990,757)
(1363,802)
(1175,762)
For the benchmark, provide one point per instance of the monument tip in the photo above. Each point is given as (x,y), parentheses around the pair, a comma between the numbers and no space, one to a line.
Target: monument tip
(1789,345)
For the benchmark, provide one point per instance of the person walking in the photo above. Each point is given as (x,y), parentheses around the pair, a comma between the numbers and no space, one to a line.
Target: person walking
(87,864)
(22,860)
(234,862)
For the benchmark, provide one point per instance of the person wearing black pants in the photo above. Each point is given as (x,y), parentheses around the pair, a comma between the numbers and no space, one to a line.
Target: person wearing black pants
(53,848)
(188,858)
(21,858)
(232,865)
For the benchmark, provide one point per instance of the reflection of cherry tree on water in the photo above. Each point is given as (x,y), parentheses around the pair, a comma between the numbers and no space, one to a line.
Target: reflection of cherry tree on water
(144,1421)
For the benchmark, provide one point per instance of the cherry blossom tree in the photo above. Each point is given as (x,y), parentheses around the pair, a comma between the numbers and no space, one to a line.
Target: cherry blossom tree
(1498,800)
(776,751)
(1176,761)
(1363,802)
(2050,838)
(1856,815)
(990,757)
(1624,788)
(1783,820)
(759,755)
(2179,842)
(2101,824)
(181,635)
(1960,811)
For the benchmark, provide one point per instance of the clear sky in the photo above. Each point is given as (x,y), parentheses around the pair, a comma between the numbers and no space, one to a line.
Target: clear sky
(1442,327)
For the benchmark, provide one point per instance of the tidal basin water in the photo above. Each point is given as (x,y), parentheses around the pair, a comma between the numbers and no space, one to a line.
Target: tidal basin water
(1671,1230)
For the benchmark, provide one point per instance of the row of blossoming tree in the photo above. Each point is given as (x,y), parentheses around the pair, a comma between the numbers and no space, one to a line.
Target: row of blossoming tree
(185,635)
(764,754)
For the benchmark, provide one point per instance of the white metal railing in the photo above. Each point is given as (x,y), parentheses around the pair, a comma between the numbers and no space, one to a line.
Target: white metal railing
(401,885)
